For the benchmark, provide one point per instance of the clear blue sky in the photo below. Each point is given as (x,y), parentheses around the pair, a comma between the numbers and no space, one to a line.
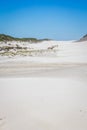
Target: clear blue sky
(55,19)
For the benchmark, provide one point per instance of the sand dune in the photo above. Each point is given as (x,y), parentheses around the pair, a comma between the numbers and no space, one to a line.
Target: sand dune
(64,54)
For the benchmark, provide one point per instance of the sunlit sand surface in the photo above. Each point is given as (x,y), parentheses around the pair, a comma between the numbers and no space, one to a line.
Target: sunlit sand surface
(45,92)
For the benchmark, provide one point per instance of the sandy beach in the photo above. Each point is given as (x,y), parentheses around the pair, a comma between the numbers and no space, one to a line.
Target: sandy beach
(43,65)
(64,57)
(43,103)
(45,93)
(43,70)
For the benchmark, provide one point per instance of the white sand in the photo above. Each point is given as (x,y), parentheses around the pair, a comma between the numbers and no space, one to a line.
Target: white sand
(57,102)
(43,104)
(67,51)
(70,57)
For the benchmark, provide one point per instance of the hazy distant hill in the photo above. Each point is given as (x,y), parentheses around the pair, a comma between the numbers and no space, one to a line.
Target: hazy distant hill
(4,37)
(84,38)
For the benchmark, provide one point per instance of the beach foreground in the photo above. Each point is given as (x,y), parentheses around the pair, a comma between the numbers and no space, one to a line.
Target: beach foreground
(43,103)
(45,92)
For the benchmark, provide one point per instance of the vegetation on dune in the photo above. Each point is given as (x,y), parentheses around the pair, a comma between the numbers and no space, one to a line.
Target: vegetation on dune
(4,37)
(7,48)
